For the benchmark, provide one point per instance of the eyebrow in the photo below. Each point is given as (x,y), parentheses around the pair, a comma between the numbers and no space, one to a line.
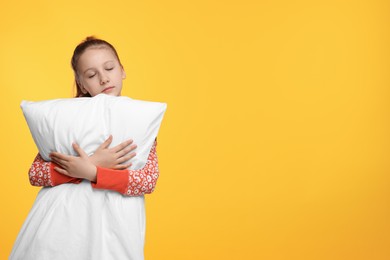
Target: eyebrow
(85,71)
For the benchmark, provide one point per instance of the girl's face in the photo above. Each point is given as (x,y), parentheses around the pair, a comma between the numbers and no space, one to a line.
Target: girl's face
(99,72)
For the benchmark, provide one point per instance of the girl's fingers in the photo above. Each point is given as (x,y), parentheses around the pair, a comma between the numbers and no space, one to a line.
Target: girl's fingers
(126,150)
(121,146)
(60,156)
(122,166)
(58,161)
(126,157)
(59,164)
(78,150)
(119,167)
(106,143)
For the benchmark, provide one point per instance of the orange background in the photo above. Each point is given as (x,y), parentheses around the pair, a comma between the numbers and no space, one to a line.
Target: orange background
(275,144)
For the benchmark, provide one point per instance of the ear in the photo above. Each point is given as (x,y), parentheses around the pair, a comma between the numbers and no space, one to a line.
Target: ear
(79,84)
(83,90)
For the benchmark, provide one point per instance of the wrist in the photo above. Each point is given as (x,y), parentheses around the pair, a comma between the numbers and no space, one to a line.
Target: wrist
(93,174)
(92,159)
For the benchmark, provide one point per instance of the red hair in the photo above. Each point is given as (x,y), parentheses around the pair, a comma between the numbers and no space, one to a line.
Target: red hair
(89,42)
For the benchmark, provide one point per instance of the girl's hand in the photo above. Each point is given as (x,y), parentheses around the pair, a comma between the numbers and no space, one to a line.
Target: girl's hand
(112,158)
(74,166)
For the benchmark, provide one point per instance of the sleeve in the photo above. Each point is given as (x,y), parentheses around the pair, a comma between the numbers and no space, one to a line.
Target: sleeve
(130,182)
(42,173)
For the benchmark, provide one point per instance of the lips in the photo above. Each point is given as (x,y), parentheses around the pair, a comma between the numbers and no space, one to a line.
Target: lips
(107,89)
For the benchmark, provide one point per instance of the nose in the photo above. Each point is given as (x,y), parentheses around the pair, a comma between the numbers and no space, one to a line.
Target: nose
(104,79)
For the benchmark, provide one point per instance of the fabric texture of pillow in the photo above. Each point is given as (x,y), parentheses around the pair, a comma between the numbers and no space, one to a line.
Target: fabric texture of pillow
(56,124)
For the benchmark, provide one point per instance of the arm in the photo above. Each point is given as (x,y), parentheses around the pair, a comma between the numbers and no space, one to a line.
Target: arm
(42,173)
(126,182)
(130,182)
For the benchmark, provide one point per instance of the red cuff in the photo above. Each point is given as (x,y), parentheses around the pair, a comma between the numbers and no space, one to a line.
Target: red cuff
(109,179)
(59,178)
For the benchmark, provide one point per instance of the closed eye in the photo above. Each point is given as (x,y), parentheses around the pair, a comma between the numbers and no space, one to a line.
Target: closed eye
(91,76)
(109,68)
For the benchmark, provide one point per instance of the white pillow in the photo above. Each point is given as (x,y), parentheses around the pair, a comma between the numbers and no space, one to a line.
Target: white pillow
(56,124)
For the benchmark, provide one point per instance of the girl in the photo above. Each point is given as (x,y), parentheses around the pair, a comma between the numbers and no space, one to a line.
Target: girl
(81,212)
